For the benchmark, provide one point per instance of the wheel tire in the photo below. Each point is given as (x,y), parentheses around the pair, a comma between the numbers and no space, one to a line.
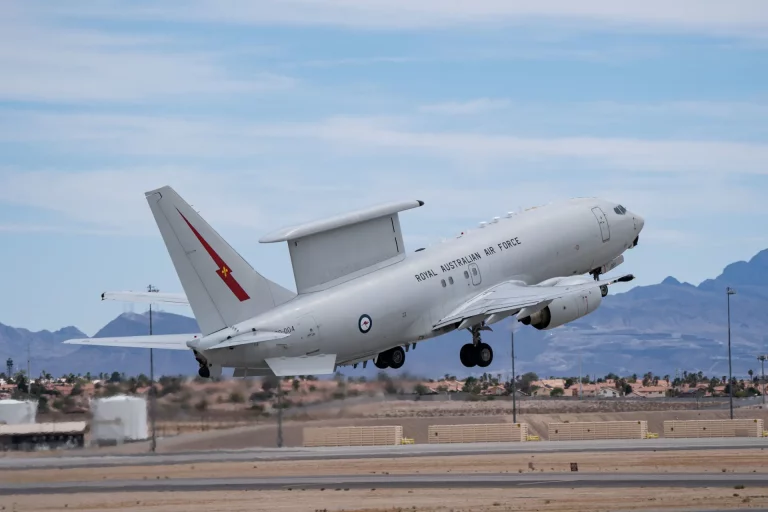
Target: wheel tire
(204,372)
(483,355)
(396,357)
(467,355)
(382,362)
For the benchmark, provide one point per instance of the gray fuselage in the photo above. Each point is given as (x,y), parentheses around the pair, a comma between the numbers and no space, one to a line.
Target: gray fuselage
(405,300)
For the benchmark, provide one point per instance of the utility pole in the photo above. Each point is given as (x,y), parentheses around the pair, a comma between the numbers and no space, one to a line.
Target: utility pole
(514,390)
(762,359)
(153,442)
(279,412)
(728,292)
(580,389)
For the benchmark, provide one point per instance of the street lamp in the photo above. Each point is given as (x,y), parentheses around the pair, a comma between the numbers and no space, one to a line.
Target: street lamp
(762,359)
(153,444)
(514,391)
(728,292)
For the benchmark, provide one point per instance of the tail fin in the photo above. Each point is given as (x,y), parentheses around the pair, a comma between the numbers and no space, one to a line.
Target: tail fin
(222,288)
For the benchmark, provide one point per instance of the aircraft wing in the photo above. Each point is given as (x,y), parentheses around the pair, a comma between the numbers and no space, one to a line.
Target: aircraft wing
(161,341)
(510,297)
(168,298)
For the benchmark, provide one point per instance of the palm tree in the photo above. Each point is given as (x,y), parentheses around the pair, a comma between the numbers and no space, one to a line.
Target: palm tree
(750,372)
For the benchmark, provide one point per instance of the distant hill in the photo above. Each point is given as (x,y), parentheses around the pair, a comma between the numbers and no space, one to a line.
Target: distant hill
(50,354)
(660,328)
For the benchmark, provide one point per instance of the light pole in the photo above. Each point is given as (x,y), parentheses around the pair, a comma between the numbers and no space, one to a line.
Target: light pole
(153,443)
(728,292)
(762,359)
(279,412)
(514,391)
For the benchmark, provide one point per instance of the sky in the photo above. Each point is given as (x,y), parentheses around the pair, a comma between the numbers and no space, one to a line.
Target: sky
(269,113)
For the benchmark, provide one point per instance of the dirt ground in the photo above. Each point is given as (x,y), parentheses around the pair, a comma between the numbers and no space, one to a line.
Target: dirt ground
(388,500)
(414,417)
(714,461)
(417,427)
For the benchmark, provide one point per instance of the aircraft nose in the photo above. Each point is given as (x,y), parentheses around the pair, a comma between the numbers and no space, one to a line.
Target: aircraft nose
(639,222)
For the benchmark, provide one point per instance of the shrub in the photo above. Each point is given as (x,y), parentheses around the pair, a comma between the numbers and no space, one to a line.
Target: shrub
(421,389)
(236,397)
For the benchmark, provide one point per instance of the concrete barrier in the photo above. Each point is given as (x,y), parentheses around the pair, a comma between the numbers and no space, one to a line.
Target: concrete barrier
(713,428)
(590,431)
(491,433)
(352,436)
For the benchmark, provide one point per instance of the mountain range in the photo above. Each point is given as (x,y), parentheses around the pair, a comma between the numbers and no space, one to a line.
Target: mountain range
(664,328)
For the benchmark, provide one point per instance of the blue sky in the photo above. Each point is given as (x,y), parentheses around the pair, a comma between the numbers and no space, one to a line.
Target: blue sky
(267,113)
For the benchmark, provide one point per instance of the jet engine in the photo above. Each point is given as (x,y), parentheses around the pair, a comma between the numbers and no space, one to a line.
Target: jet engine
(567,308)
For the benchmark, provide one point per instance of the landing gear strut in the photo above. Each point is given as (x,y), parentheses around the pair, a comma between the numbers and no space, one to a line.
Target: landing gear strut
(393,358)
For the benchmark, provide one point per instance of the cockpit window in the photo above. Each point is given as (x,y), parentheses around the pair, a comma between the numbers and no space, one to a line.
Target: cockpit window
(620,210)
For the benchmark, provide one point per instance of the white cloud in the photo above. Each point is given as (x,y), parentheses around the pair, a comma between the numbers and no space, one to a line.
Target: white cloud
(45,60)
(737,17)
(148,135)
(476,106)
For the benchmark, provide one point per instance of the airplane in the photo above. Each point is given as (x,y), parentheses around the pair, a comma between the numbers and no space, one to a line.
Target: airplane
(362,298)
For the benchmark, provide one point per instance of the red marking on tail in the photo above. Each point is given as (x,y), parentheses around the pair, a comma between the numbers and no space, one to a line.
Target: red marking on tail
(224,272)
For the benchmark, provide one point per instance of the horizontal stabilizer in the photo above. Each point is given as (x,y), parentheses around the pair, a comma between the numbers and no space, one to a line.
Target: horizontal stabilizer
(154,297)
(304,365)
(246,339)
(160,341)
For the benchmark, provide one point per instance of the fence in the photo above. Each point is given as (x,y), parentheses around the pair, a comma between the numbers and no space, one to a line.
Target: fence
(491,433)
(713,428)
(589,431)
(353,436)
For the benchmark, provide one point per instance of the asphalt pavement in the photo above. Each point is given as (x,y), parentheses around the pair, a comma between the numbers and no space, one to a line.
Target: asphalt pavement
(420,481)
(74,460)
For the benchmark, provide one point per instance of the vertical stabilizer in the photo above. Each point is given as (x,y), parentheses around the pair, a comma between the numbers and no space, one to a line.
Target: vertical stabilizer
(222,288)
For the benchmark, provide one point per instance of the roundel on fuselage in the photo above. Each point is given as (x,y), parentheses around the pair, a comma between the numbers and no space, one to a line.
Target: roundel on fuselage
(364,323)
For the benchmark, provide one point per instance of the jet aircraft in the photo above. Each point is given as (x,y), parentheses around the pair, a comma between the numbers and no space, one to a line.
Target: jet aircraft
(362,298)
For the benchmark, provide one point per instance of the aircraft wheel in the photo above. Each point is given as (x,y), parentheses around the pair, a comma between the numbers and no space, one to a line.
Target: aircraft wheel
(382,361)
(204,372)
(467,355)
(396,357)
(483,355)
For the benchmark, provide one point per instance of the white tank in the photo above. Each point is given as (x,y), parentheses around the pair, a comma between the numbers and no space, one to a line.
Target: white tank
(119,418)
(15,412)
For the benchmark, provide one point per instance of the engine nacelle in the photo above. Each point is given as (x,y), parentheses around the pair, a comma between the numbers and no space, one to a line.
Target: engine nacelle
(565,309)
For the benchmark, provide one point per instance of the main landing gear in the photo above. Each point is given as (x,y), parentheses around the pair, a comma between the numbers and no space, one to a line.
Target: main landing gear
(393,358)
(476,353)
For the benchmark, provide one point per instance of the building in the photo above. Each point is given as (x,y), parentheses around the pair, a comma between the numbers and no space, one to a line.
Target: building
(608,392)
(651,391)
(32,436)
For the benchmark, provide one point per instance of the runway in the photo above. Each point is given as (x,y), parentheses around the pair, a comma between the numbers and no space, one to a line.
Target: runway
(346,482)
(73,460)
